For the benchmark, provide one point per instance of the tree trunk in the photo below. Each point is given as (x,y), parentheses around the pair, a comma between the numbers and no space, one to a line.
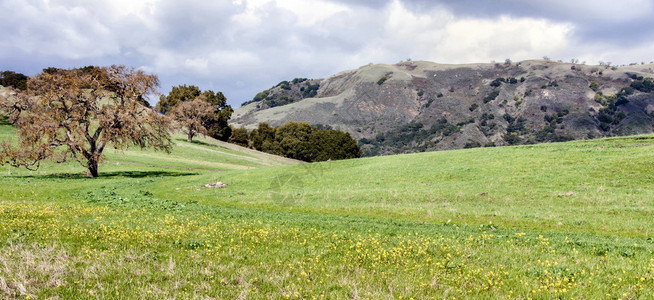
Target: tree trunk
(190,136)
(92,171)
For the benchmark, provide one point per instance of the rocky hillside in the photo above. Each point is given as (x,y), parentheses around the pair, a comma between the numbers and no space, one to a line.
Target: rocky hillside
(422,106)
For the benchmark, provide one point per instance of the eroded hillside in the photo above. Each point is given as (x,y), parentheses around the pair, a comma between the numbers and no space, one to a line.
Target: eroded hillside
(421,106)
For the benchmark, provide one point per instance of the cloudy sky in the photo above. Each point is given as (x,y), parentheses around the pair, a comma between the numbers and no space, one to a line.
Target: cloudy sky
(241,47)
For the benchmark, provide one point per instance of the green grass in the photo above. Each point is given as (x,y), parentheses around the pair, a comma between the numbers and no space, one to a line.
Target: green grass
(566,220)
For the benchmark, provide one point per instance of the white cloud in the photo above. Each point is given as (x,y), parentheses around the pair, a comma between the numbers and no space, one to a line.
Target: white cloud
(249,45)
(440,36)
(483,40)
(311,12)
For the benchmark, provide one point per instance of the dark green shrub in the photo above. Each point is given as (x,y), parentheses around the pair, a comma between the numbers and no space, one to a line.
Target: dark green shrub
(466,122)
(594,86)
(497,82)
(490,97)
(472,144)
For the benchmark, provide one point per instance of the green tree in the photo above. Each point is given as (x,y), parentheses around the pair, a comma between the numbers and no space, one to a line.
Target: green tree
(330,144)
(13,79)
(216,125)
(263,138)
(293,140)
(239,137)
(178,94)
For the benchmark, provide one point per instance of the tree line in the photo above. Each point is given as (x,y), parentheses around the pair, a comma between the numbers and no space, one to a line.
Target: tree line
(74,114)
(299,141)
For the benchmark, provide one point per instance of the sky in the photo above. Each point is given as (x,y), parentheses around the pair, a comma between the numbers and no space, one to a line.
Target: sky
(241,47)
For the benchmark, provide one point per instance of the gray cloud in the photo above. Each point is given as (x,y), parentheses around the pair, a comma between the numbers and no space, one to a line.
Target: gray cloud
(242,47)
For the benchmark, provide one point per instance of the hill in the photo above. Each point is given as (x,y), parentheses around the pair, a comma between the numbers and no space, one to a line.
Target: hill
(204,153)
(559,220)
(421,106)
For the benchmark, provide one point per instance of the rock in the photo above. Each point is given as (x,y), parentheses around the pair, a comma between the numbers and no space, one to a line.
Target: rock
(218,184)
(568,194)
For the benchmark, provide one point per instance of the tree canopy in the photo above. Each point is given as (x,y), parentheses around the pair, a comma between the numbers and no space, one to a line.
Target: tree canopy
(194,116)
(13,79)
(76,113)
(215,124)
(302,141)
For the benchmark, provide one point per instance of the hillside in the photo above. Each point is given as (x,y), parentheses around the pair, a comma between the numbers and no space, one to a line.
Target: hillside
(203,153)
(560,220)
(421,106)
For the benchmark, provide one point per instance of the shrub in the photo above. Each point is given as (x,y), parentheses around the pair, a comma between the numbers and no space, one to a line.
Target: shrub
(490,97)
(497,82)
(512,138)
(472,144)
(284,85)
(382,80)
(645,86)
(466,122)
(594,86)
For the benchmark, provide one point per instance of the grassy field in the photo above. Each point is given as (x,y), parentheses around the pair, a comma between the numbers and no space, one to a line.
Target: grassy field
(567,220)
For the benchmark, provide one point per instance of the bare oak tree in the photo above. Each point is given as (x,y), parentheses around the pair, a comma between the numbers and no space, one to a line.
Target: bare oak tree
(75,114)
(194,116)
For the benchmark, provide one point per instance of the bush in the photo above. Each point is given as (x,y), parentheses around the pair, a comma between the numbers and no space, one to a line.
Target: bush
(594,86)
(466,122)
(311,90)
(497,82)
(645,86)
(261,95)
(472,144)
(490,97)
(284,85)
(382,80)
(512,138)
(239,136)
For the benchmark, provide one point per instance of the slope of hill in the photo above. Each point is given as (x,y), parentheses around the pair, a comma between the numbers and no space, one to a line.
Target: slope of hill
(560,220)
(421,106)
(204,153)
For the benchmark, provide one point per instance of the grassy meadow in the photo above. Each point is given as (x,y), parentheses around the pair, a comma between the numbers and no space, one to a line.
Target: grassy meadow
(566,220)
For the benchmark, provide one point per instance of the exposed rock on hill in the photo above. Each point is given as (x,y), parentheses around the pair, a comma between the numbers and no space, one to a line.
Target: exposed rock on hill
(421,106)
